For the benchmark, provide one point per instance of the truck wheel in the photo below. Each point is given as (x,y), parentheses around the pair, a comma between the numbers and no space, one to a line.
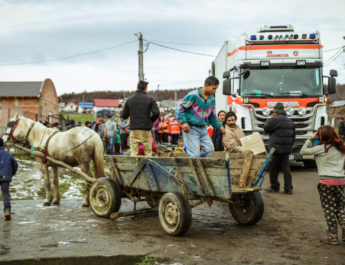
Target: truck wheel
(247,208)
(175,215)
(105,197)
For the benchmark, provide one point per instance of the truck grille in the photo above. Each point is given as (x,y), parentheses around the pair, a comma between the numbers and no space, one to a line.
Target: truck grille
(303,124)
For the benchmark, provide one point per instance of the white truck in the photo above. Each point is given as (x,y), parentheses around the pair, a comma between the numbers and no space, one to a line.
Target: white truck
(276,64)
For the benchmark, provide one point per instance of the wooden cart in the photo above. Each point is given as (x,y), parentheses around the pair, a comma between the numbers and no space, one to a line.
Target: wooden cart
(177,184)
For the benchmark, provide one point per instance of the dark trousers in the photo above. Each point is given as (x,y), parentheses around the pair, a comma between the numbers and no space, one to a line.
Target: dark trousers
(5,189)
(123,138)
(158,137)
(333,204)
(174,139)
(280,162)
(165,137)
(117,149)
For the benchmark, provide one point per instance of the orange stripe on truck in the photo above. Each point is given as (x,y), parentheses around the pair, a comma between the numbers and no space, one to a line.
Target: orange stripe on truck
(275,47)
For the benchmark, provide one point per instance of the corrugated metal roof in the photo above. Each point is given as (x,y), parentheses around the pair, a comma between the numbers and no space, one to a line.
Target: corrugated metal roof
(106,102)
(20,89)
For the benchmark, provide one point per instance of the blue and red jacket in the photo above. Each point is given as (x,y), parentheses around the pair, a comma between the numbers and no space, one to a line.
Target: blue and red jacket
(195,110)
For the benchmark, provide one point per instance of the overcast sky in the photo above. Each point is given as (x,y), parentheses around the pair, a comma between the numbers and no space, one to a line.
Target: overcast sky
(87,45)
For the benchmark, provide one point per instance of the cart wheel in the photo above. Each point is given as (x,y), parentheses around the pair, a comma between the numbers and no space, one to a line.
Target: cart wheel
(247,208)
(105,197)
(175,214)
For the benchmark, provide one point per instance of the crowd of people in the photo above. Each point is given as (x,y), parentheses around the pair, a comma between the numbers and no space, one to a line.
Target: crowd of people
(141,126)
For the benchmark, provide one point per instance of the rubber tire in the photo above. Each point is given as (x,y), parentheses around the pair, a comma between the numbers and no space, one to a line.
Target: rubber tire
(252,210)
(170,202)
(105,197)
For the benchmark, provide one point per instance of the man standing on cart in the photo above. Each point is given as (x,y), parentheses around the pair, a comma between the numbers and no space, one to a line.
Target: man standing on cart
(143,111)
(194,112)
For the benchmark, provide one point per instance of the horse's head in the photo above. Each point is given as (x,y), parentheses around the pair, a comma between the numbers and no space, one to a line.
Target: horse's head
(16,129)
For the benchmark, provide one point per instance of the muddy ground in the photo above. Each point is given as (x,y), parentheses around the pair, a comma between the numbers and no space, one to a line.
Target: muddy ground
(289,233)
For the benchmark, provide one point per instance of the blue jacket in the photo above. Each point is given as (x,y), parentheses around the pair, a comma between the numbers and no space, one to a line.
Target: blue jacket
(8,165)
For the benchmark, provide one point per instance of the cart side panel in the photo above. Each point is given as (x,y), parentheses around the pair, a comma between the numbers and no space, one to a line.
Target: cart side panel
(201,176)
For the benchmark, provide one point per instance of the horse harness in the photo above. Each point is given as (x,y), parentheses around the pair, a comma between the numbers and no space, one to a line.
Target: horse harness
(45,149)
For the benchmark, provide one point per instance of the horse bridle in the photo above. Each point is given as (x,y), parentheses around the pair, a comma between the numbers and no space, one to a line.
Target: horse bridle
(13,125)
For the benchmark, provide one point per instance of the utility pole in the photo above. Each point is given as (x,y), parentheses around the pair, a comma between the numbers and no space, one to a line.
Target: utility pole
(140,56)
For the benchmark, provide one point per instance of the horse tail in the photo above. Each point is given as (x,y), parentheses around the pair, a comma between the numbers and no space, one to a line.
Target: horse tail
(98,158)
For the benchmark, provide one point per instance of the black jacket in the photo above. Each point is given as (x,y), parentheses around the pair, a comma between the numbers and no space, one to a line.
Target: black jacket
(142,109)
(217,139)
(342,129)
(282,133)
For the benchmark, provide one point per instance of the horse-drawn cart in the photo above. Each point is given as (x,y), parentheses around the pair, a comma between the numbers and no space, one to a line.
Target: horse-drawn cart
(177,184)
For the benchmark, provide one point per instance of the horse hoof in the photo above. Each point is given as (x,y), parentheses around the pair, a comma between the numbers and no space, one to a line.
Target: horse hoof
(46,204)
(56,202)
(85,204)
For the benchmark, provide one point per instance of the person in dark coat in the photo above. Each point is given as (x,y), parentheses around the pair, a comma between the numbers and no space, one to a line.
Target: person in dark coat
(341,131)
(8,167)
(143,111)
(282,137)
(217,136)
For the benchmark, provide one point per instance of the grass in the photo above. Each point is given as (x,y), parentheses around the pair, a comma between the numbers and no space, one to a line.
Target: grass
(80,117)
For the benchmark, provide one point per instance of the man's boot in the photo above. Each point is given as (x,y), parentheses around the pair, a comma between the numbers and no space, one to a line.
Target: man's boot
(331,239)
(7,214)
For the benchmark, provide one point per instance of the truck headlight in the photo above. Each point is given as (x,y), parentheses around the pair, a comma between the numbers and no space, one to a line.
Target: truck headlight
(289,111)
(266,111)
(302,111)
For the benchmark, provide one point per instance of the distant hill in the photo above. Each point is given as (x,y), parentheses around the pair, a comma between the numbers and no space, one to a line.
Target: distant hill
(158,95)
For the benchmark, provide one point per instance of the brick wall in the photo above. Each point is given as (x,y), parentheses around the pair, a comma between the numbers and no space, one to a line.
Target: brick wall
(34,108)
(49,101)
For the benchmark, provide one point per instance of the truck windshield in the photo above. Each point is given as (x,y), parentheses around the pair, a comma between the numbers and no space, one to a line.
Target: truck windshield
(282,83)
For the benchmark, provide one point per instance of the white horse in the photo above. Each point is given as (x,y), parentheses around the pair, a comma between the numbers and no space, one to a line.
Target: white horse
(76,147)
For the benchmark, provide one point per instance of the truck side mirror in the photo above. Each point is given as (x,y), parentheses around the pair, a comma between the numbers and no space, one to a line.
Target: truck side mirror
(333,73)
(227,87)
(226,74)
(331,85)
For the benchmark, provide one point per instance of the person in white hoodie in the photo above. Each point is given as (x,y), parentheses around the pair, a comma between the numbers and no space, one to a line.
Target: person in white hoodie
(329,155)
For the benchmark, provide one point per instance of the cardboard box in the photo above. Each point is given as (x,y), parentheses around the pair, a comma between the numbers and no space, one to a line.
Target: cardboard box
(254,143)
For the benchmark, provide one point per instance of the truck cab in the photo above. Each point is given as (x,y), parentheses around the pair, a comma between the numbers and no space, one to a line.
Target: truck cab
(276,64)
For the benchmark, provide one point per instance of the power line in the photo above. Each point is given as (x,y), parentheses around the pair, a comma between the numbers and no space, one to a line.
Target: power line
(184,43)
(333,57)
(179,50)
(72,56)
(341,47)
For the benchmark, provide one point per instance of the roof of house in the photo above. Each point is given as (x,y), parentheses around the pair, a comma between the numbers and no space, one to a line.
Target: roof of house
(21,89)
(106,102)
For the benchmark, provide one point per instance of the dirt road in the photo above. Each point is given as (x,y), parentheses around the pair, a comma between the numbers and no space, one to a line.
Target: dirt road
(288,233)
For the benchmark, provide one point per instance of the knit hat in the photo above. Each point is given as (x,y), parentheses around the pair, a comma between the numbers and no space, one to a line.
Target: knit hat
(99,121)
(279,108)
